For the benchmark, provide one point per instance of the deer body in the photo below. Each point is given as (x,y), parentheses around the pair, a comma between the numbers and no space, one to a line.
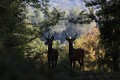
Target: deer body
(52,57)
(52,53)
(75,54)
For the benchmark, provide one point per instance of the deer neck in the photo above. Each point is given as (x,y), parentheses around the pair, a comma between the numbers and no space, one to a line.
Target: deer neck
(71,49)
(49,48)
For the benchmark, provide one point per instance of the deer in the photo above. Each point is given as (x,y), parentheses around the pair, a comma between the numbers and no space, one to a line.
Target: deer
(74,54)
(52,53)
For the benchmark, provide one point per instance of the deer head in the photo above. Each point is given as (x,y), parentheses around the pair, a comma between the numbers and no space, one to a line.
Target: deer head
(49,39)
(70,40)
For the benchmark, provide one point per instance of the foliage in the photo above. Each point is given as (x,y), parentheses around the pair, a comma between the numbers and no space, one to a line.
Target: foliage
(19,57)
(107,17)
(90,42)
(23,56)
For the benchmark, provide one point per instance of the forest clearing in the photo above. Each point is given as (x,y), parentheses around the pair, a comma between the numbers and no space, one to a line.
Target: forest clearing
(59,39)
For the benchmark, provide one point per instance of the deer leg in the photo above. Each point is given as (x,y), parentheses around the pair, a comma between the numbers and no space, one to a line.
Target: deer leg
(82,63)
(55,63)
(79,64)
(49,63)
(70,63)
(52,64)
(74,64)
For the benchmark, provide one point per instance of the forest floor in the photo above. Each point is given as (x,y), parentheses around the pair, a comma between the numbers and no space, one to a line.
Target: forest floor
(61,73)
(74,74)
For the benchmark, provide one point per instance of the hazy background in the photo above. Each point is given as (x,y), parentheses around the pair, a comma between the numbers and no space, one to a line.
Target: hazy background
(72,8)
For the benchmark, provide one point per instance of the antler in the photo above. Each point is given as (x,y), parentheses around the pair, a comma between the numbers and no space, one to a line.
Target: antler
(74,37)
(66,35)
(48,37)
(53,36)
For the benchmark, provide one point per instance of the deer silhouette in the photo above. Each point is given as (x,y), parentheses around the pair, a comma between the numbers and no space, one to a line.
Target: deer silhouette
(74,54)
(52,53)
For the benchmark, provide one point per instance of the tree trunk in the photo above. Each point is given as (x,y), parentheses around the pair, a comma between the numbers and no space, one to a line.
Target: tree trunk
(115,56)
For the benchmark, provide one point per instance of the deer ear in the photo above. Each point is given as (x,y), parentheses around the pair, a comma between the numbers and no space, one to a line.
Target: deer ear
(67,38)
(46,38)
(52,38)
(73,39)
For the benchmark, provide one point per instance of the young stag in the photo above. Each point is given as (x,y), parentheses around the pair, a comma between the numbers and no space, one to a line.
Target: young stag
(52,53)
(74,54)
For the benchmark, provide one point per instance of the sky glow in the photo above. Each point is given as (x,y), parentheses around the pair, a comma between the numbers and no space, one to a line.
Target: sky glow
(67,4)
